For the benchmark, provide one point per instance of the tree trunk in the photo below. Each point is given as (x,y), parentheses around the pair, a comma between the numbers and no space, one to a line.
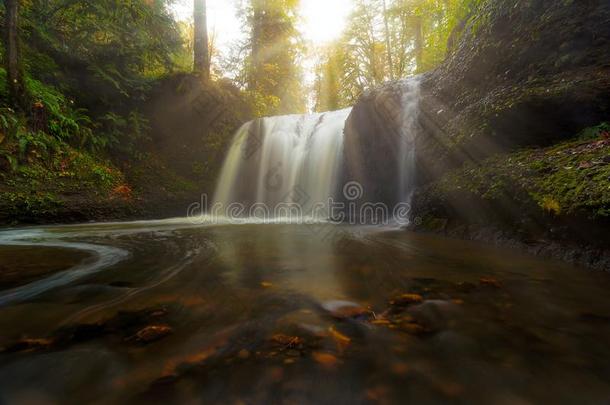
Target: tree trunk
(388,41)
(256,43)
(419,43)
(14,71)
(201,46)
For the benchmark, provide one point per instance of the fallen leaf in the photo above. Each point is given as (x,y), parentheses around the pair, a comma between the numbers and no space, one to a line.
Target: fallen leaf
(380,322)
(325,359)
(287,341)
(489,281)
(341,340)
(407,299)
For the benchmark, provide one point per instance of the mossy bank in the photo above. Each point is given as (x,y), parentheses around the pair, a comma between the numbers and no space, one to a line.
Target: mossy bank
(553,201)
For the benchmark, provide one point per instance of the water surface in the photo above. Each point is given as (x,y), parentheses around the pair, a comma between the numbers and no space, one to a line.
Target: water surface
(168,311)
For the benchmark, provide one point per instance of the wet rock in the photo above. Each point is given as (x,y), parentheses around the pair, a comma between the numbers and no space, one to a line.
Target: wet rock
(345,309)
(128,320)
(416,329)
(406,300)
(434,315)
(74,334)
(490,282)
(304,322)
(287,341)
(28,345)
(152,333)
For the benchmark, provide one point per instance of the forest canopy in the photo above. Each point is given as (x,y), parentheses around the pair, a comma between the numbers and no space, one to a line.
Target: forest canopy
(79,74)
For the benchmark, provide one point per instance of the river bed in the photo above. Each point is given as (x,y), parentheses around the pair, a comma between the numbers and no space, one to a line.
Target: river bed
(171,311)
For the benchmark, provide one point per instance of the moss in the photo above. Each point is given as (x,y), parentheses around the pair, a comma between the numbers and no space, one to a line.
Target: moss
(571,179)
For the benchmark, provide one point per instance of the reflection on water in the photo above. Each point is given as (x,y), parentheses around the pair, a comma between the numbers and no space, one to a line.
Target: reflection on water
(167,311)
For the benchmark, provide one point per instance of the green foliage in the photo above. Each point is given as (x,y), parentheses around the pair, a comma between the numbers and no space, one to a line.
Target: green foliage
(123,133)
(103,50)
(35,204)
(572,178)
(269,59)
(595,132)
(52,113)
(386,40)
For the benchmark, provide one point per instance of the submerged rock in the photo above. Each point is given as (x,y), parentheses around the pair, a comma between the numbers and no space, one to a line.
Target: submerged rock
(407,299)
(325,359)
(26,345)
(345,309)
(152,333)
(435,315)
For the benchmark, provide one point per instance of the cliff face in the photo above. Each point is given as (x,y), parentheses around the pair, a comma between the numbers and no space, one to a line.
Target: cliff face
(524,73)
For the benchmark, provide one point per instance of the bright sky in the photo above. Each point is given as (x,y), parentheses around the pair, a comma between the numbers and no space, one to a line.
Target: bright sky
(322,20)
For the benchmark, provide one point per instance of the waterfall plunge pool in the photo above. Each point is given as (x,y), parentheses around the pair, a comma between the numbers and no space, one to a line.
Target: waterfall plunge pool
(171,312)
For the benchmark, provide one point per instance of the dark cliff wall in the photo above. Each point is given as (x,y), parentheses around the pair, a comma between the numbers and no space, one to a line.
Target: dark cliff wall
(526,73)
(500,156)
(523,73)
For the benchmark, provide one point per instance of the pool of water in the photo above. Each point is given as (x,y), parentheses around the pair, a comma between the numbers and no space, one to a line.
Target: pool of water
(168,311)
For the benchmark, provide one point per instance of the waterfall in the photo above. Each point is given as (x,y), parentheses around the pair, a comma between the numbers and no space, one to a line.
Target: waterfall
(299,160)
(283,160)
(408,129)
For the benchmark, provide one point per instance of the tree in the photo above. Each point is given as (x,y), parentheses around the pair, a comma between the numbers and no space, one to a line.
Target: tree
(15,81)
(328,92)
(103,53)
(385,40)
(274,48)
(388,40)
(201,46)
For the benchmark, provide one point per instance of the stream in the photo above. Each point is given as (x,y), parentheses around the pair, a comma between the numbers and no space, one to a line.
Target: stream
(174,312)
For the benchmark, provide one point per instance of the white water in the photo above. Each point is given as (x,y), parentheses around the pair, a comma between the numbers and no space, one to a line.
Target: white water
(285,159)
(409,126)
(104,257)
(298,159)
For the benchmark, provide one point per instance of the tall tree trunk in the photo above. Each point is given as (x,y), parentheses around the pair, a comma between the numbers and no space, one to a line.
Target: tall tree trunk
(256,43)
(201,45)
(419,43)
(388,41)
(14,70)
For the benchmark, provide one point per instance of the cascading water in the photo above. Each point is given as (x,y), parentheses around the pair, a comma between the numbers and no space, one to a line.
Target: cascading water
(285,159)
(298,159)
(409,126)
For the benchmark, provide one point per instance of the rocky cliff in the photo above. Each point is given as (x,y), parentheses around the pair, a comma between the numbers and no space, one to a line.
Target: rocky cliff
(524,74)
